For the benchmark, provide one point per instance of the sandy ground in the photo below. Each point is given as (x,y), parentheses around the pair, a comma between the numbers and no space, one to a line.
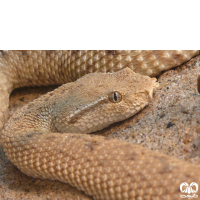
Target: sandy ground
(169,124)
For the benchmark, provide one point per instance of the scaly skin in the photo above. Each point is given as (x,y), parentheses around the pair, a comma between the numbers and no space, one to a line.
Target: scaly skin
(105,169)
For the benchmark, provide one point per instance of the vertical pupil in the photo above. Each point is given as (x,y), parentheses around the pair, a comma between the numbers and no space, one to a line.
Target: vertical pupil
(115,96)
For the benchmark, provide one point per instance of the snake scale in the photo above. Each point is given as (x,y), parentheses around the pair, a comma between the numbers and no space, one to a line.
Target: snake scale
(47,138)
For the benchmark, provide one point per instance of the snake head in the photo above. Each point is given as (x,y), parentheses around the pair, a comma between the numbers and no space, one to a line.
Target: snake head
(98,100)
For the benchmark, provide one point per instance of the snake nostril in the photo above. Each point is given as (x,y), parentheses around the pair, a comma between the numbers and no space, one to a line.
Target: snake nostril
(198,84)
(149,94)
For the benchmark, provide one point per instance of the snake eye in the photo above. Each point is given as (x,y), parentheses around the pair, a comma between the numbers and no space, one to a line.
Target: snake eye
(115,97)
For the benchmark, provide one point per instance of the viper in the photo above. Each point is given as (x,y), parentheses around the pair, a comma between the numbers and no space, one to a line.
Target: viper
(48,137)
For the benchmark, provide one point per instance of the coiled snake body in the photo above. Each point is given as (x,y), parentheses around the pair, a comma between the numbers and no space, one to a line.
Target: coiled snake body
(42,139)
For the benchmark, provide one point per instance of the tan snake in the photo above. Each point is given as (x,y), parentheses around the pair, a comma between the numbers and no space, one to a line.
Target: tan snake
(105,169)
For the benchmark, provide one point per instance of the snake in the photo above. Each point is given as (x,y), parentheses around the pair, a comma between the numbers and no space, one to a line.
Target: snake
(49,137)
